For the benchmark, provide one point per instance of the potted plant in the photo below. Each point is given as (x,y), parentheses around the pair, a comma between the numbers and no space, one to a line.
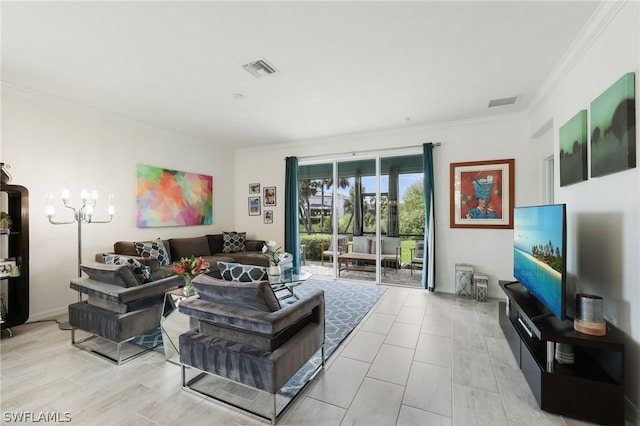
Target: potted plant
(5,223)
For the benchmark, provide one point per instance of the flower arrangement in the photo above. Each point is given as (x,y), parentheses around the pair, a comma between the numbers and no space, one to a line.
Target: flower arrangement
(273,254)
(189,268)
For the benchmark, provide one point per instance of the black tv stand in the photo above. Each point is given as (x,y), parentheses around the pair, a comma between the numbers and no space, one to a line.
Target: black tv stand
(591,389)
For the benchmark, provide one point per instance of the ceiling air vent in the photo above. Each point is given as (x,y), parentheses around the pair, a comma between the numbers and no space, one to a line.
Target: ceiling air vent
(259,68)
(503,101)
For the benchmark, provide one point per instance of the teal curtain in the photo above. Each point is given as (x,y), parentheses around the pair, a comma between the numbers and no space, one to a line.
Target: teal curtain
(291,230)
(429,259)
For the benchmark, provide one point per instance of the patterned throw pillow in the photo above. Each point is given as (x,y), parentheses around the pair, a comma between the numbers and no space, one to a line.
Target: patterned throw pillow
(154,250)
(419,251)
(139,270)
(233,242)
(371,246)
(242,273)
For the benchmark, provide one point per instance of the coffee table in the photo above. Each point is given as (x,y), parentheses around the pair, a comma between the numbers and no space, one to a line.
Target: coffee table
(288,279)
(173,323)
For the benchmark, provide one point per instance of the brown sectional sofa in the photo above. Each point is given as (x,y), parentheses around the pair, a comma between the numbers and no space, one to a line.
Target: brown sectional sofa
(209,247)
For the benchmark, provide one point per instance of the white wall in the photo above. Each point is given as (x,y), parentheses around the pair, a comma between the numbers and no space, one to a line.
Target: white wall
(50,144)
(603,212)
(489,250)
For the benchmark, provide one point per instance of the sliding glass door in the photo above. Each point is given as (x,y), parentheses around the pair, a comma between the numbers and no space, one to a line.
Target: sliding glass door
(359,219)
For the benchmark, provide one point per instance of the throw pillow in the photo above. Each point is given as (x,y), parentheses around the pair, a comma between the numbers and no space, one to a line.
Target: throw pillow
(242,273)
(371,246)
(154,250)
(233,242)
(419,251)
(256,296)
(139,270)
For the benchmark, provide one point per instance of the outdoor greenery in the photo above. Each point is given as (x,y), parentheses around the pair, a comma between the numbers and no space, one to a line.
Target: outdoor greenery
(411,210)
(316,229)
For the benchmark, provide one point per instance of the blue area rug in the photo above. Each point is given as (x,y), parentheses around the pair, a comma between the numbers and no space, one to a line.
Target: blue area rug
(346,305)
(152,339)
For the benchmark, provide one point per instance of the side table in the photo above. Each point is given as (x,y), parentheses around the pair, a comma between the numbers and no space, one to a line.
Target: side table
(173,324)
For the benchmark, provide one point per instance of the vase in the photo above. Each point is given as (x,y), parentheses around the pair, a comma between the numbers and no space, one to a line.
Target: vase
(274,270)
(188,287)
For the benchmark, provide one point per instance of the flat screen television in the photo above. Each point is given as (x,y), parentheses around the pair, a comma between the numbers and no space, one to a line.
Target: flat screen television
(539,249)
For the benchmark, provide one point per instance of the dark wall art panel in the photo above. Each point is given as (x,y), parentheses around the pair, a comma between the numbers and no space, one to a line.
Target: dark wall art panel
(613,128)
(573,149)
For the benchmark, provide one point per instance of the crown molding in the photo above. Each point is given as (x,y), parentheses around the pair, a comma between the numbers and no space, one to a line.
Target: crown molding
(600,19)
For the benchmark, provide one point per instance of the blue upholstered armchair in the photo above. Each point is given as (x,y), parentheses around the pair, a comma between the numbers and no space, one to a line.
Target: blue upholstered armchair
(245,336)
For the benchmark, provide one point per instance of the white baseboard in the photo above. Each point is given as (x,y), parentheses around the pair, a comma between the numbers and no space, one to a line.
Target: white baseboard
(51,314)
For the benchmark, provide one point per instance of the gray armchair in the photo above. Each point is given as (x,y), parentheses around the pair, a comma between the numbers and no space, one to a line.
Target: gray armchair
(246,337)
(118,307)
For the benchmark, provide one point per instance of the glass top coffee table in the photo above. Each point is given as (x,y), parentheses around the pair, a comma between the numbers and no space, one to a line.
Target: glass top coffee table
(288,279)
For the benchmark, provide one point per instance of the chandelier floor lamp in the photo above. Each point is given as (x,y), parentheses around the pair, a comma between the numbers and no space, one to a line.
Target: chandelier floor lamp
(81,215)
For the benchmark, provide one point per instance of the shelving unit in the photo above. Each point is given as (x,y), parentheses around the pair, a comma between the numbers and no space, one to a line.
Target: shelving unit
(16,289)
(591,389)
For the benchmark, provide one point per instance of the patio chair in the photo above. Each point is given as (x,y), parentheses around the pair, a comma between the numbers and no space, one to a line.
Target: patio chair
(343,242)
(417,254)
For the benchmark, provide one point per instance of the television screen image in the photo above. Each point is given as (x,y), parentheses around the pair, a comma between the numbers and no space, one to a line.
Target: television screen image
(539,248)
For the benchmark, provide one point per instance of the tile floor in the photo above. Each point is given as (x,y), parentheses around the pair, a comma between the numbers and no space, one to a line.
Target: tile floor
(418,358)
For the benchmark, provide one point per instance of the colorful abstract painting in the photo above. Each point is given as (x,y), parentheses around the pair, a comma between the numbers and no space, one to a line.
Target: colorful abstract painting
(172,198)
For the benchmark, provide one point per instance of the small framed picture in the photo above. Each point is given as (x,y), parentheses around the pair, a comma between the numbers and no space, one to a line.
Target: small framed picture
(6,268)
(269,195)
(254,188)
(268,216)
(254,206)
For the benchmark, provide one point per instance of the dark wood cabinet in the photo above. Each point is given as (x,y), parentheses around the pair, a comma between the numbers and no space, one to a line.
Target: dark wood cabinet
(16,288)
(592,388)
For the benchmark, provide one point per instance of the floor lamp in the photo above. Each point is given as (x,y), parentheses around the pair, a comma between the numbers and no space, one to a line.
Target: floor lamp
(82,214)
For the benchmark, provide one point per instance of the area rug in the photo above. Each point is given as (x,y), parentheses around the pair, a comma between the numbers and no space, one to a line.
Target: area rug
(346,304)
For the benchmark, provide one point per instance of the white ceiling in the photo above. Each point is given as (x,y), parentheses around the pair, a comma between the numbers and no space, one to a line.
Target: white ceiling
(343,66)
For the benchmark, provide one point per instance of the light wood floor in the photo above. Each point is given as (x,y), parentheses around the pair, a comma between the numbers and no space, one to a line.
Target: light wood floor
(417,359)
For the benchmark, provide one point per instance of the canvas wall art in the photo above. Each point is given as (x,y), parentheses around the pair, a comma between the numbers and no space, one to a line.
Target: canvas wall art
(482,194)
(573,149)
(173,198)
(613,128)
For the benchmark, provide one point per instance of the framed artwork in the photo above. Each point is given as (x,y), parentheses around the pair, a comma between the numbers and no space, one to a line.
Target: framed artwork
(268,217)
(254,188)
(7,268)
(613,128)
(269,195)
(573,149)
(482,194)
(254,206)
(172,198)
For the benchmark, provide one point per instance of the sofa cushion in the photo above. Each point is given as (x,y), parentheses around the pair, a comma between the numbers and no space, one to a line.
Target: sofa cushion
(125,248)
(139,270)
(243,273)
(255,295)
(153,250)
(249,258)
(371,246)
(233,241)
(216,243)
(187,247)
